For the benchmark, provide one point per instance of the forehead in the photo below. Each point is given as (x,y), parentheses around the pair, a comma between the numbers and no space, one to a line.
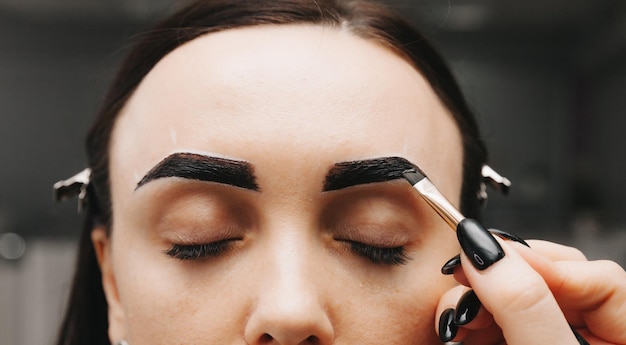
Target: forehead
(282,96)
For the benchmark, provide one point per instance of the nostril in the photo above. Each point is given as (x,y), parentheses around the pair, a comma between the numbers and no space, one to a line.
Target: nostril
(268,339)
(312,340)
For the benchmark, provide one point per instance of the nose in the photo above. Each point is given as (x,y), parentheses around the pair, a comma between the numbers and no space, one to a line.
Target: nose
(289,308)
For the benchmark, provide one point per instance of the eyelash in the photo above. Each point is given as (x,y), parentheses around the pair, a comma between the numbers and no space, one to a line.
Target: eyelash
(393,256)
(193,252)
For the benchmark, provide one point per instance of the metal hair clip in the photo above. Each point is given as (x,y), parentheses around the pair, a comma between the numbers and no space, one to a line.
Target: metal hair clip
(73,186)
(495,180)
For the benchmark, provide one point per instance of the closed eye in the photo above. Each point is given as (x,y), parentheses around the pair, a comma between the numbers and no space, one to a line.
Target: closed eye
(385,256)
(194,252)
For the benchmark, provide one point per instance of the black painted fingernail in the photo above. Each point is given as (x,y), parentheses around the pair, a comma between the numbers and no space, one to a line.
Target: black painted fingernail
(478,244)
(450,265)
(579,337)
(508,236)
(467,308)
(447,327)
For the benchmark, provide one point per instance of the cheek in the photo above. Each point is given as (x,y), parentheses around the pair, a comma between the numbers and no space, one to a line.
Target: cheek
(414,306)
(175,313)
(416,300)
(166,302)
(403,314)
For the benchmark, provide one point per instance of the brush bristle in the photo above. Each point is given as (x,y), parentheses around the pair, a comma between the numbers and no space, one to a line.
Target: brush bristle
(413,175)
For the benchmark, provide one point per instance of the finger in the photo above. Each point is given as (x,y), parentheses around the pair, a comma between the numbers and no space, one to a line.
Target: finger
(459,276)
(471,320)
(452,265)
(595,290)
(512,291)
(491,335)
(555,251)
(470,314)
(444,319)
(447,329)
(477,323)
(450,298)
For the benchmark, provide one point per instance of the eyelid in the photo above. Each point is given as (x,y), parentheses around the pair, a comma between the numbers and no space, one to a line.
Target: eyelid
(175,188)
(378,235)
(372,203)
(185,211)
(184,237)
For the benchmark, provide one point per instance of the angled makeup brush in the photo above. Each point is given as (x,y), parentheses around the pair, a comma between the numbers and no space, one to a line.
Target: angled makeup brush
(475,239)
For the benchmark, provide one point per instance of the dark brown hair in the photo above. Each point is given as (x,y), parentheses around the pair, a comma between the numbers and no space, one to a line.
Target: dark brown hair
(86,318)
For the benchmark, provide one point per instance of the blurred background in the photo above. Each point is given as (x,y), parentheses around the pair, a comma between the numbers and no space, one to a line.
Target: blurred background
(547,80)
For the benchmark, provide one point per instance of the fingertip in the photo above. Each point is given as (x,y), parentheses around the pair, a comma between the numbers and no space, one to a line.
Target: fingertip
(447,327)
(467,309)
(509,236)
(478,244)
(453,267)
(449,267)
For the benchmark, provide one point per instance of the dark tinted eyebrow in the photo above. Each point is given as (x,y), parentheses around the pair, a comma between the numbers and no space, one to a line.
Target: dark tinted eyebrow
(347,174)
(204,168)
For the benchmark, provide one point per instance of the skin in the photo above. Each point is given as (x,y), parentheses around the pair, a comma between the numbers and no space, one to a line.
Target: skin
(536,294)
(292,101)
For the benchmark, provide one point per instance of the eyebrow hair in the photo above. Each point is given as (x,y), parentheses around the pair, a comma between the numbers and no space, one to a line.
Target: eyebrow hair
(347,174)
(204,168)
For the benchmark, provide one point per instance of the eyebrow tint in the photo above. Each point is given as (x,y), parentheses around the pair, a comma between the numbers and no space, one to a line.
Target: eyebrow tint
(347,174)
(241,174)
(204,168)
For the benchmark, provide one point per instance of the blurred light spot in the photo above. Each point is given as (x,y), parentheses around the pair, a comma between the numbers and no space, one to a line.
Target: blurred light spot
(12,246)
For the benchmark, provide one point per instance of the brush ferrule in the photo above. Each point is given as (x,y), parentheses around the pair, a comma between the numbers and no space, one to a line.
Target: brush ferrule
(439,203)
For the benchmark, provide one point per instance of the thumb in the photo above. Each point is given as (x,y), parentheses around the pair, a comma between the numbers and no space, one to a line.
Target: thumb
(511,290)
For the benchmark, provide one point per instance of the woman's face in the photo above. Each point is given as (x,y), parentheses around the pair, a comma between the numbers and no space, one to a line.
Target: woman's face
(252,238)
